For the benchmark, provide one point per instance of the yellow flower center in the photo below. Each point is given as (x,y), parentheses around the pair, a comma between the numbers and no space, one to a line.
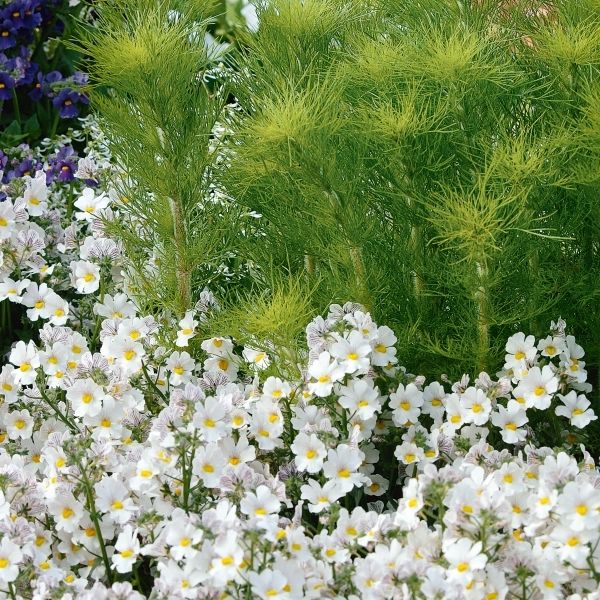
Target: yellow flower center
(311,454)
(344,473)
(462,567)
(519,355)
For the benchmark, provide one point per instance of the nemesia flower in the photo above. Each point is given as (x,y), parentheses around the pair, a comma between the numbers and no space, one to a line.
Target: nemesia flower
(342,466)
(510,420)
(309,452)
(127,549)
(187,329)
(538,387)
(10,559)
(325,372)
(36,194)
(85,276)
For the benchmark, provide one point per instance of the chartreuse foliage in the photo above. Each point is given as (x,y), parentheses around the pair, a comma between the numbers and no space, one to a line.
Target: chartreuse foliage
(435,160)
(159,113)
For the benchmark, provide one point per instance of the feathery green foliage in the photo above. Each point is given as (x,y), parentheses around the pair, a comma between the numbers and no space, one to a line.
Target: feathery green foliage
(437,161)
(160,112)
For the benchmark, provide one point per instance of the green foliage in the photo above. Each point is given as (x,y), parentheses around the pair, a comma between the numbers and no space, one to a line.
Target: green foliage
(160,114)
(437,161)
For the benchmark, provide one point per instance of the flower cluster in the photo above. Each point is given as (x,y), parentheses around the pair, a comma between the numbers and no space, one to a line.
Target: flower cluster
(28,62)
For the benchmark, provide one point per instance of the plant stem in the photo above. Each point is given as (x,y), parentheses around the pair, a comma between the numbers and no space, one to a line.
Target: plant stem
(184,284)
(89,492)
(483,314)
(16,106)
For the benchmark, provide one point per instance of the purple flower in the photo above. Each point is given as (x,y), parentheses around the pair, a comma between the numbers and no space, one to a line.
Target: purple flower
(7,83)
(36,93)
(62,165)
(66,103)
(7,35)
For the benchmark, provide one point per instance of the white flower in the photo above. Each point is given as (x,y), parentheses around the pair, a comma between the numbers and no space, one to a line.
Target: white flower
(237,453)
(115,307)
(320,496)
(224,364)
(408,453)
(26,359)
(89,204)
(112,497)
(187,329)
(477,405)
(406,402)
(576,408)
(10,559)
(218,346)
(269,584)
(259,504)
(342,467)
(325,371)
(208,464)
(36,194)
(456,415)
(521,350)
(229,556)
(36,299)
(579,506)
(352,352)
(127,549)
(11,289)
(85,276)
(434,401)
(257,358)
(464,557)
(310,452)
(551,346)
(181,365)
(384,352)
(67,512)
(209,419)
(126,353)
(19,424)
(538,387)
(7,219)
(510,420)
(360,397)
(85,396)
(274,388)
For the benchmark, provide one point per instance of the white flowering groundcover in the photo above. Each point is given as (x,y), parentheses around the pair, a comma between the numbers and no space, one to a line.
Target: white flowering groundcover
(136,462)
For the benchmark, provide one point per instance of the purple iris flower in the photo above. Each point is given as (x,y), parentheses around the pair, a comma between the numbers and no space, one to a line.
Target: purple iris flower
(7,83)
